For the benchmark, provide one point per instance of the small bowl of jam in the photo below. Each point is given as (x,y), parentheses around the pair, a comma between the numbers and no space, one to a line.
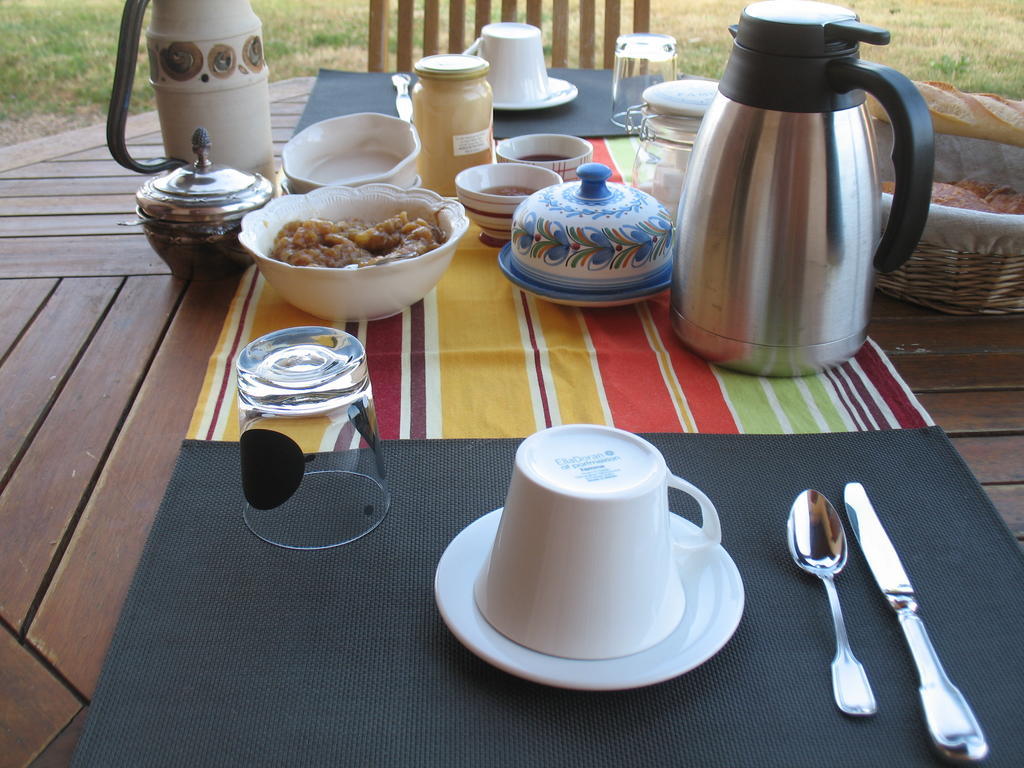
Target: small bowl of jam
(558,152)
(491,193)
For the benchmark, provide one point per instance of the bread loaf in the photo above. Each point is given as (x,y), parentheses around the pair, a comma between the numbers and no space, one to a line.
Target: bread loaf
(1006,200)
(974,115)
(973,196)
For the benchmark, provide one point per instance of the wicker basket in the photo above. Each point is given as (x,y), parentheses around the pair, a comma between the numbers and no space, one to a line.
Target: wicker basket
(967,262)
(958,283)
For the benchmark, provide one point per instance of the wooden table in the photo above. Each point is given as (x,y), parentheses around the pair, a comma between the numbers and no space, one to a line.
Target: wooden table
(102,354)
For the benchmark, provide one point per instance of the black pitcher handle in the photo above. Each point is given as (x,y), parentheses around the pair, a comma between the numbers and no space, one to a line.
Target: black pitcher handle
(913,152)
(121,96)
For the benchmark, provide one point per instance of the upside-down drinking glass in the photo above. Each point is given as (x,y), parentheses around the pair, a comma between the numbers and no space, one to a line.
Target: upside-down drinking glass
(642,59)
(312,466)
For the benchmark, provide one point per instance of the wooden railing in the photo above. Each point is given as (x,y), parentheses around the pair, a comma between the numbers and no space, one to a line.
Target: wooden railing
(557,24)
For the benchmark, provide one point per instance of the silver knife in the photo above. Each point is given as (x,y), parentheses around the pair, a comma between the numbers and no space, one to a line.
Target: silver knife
(951,723)
(402,101)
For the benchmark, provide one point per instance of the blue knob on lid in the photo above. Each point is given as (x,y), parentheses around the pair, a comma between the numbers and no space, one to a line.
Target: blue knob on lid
(592,181)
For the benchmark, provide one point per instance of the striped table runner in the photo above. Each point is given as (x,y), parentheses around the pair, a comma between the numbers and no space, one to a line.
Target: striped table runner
(479,358)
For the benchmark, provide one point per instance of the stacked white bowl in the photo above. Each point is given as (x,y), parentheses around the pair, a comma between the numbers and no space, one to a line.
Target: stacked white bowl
(352,150)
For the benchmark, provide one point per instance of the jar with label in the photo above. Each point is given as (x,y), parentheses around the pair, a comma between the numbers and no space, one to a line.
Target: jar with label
(671,117)
(452,112)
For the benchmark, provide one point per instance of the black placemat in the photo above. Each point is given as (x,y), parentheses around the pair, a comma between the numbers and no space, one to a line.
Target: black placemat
(233,652)
(342,93)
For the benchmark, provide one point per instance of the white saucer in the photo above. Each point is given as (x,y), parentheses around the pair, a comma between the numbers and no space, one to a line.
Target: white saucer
(559,92)
(714,605)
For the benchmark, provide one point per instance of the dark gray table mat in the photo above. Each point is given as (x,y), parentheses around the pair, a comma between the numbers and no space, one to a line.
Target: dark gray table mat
(341,93)
(233,652)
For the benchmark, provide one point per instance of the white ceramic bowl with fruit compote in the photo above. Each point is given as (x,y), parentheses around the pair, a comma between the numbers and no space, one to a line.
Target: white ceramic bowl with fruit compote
(353,292)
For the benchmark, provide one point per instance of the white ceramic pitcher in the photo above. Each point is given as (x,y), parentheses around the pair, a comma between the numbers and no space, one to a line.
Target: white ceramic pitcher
(207,69)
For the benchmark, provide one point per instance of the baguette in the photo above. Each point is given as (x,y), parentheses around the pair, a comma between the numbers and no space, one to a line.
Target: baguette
(973,196)
(974,115)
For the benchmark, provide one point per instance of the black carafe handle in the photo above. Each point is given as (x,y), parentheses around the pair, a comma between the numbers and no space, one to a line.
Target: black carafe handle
(913,152)
(121,95)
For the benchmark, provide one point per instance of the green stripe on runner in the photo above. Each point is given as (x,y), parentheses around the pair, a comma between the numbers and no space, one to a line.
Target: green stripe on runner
(794,405)
(749,402)
(827,406)
(800,398)
(623,152)
(756,413)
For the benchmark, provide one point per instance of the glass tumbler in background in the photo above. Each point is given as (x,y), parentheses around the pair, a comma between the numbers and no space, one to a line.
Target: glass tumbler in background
(312,466)
(642,59)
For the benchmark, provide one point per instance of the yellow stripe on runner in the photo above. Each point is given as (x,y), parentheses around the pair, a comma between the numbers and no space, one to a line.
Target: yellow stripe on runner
(668,373)
(219,366)
(485,391)
(580,400)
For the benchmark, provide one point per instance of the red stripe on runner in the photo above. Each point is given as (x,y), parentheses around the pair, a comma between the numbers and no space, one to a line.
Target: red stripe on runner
(839,380)
(536,361)
(343,442)
(417,404)
(236,342)
(633,383)
(857,382)
(602,155)
(703,392)
(895,396)
(384,361)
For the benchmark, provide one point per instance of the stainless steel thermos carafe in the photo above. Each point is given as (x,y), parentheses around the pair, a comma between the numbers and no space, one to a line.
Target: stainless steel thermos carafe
(779,228)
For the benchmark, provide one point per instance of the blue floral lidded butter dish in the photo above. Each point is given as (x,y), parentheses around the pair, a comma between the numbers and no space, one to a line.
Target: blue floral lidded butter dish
(591,235)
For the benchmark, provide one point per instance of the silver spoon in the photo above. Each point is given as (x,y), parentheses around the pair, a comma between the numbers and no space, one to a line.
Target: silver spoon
(818,545)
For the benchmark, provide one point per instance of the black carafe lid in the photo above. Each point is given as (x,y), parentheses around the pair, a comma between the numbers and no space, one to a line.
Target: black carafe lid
(801,28)
(782,48)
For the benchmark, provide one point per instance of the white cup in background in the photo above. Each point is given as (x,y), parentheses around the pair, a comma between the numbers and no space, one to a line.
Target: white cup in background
(584,563)
(518,74)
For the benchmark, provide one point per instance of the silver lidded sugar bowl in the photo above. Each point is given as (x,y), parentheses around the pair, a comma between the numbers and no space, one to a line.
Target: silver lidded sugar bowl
(192,215)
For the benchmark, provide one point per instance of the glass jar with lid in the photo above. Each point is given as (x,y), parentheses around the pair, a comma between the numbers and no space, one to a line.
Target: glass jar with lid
(670,119)
(452,112)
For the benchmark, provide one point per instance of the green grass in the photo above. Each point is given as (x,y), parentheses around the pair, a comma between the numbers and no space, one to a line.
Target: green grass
(58,55)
